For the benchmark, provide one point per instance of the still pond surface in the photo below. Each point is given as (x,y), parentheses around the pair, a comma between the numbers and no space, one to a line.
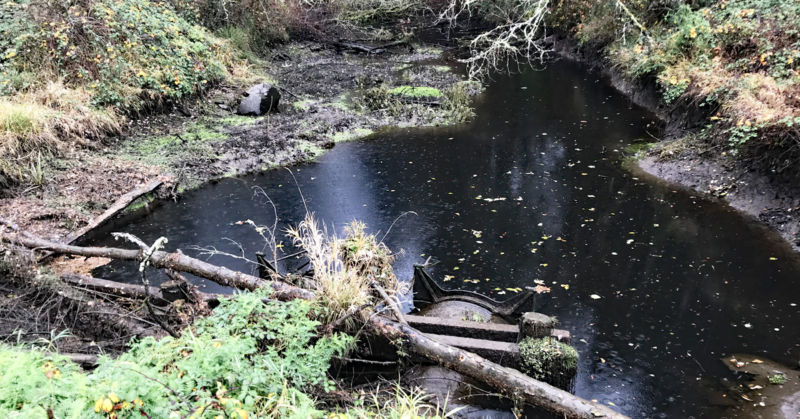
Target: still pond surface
(654,283)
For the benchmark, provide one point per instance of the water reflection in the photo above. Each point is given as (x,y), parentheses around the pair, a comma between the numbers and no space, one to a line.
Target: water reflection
(654,283)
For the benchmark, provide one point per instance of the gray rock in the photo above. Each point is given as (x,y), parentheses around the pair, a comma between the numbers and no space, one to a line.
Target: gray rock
(259,100)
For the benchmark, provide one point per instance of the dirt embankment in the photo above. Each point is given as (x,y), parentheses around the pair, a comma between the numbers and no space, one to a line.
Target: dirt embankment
(678,159)
(328,95)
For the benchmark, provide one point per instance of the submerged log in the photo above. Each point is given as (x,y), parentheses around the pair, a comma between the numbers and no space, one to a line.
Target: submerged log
(175,261)
(509,381)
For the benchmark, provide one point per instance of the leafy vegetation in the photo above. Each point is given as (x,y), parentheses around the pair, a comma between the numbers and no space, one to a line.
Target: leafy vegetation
(71,71)
(247,358)
(777,379)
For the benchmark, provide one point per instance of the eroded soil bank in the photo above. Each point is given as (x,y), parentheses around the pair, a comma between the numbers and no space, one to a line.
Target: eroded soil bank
(688,163)
(328,96)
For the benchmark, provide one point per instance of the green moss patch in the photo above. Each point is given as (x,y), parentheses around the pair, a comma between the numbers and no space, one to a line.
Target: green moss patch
(549,360)
(196,142)
(416,92)
(351,135)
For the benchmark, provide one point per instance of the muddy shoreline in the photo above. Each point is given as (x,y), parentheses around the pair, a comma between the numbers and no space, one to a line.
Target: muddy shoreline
(687,164)
(323,102)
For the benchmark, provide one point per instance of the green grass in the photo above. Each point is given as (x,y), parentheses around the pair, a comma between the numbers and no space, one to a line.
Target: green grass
(311,149)
(355,134)
(416,92)
(196,141)
(303,105)
(21,119)
(236,120)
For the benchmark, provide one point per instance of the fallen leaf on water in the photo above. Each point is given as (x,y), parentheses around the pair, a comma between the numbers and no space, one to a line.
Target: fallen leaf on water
(757,361)
(541,289)
(565,286)
(594,297)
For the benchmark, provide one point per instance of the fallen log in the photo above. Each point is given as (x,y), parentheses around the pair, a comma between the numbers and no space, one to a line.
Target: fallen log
(176,261)
(120,204)
(84,360)
(509,381)
(128,290)
(110,287)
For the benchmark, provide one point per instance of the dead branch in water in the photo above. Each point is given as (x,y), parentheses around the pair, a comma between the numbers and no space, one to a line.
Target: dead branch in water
(160,259)
(120,204)
(510,382)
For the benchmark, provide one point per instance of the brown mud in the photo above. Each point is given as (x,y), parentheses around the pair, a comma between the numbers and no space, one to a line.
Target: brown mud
(322,103)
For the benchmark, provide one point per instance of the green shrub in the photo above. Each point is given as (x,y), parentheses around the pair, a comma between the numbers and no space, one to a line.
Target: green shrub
(31,382)
(247,358)
(128,53)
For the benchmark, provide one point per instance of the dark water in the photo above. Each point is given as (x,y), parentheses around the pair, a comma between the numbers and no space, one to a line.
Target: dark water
(681,280)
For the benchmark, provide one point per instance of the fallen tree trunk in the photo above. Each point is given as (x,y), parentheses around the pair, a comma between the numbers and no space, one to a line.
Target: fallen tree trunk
(120,204)
(509,381)
(175,261)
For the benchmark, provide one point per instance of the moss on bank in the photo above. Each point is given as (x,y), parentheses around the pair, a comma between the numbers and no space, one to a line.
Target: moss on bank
(549,360)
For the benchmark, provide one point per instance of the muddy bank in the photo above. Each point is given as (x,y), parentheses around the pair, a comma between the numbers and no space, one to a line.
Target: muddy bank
(681,160)
(328,96)
(776,205)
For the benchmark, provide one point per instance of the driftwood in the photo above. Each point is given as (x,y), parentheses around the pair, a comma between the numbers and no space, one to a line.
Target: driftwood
(119,205)
(367,49)
(110,287)
(131,290)
(508,381)
(175,261)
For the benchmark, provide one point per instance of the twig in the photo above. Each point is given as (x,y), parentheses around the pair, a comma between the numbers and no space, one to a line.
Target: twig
(366,361)
(147,253)
(389,301)
(352,311)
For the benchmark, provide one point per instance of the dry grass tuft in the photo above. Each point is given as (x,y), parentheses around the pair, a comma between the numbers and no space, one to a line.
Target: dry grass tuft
(344,268)
(760,99)
(49,121)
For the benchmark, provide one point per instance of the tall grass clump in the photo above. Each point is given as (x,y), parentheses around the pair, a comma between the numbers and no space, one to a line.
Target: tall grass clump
(346,267)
